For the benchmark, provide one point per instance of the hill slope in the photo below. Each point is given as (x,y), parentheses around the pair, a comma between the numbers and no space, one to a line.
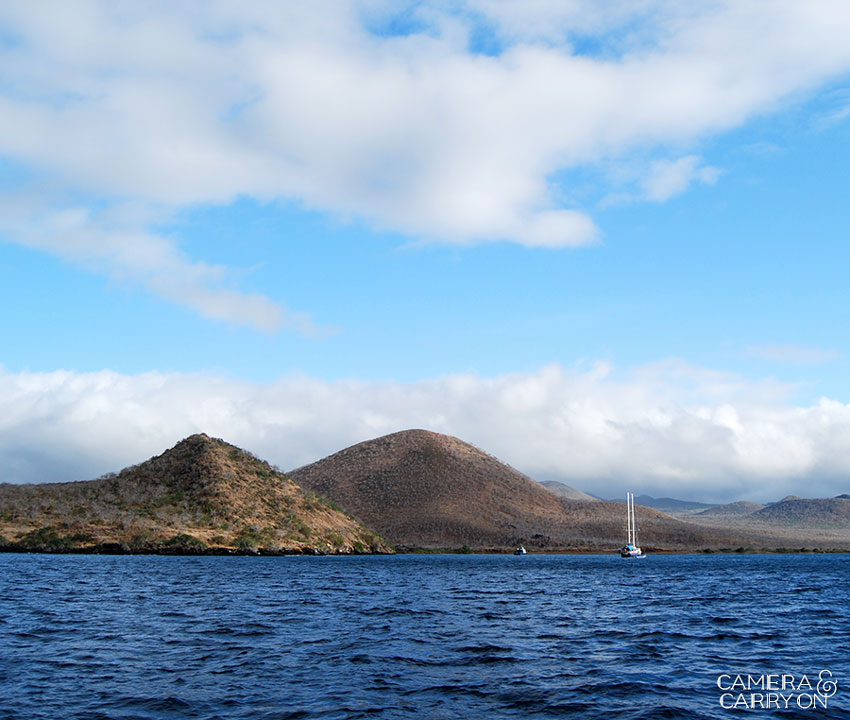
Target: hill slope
(794,511)
(427,489)
(202,492)
(423,489)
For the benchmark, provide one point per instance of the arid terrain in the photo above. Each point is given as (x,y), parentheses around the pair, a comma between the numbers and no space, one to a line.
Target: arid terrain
(426,490)
(412,490)
(203,494)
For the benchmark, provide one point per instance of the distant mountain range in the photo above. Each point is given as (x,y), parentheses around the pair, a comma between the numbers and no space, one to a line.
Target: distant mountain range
(413,490)
(742,507)
(806,512)
(671,505)
(790,511)
(565,491)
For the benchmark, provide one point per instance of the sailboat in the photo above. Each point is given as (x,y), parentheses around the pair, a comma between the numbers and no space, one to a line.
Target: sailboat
(631,549)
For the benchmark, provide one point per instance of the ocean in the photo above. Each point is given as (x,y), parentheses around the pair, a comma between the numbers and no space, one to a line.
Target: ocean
(92,637)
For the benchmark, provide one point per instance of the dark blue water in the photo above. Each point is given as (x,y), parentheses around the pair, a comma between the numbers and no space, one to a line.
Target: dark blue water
(444,636)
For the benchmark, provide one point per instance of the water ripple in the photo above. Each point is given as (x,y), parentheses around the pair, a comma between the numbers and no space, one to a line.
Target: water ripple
(87,637)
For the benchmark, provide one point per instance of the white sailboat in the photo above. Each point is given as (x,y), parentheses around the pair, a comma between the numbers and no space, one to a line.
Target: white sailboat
(631,549)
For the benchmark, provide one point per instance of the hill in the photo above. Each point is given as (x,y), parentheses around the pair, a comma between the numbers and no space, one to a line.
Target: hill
(202,493)
(742,507)
(420,489)
(426,490)
(672,505)
(565,491)
(820,512)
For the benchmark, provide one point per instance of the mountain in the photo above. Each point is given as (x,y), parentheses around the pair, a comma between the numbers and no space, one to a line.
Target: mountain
(202,493)
(794,511)
(742,507)
(426,490)
(671,505)
(420,489)
(565,491)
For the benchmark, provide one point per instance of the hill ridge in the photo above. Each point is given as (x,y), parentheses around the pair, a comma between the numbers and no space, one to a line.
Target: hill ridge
(202,490)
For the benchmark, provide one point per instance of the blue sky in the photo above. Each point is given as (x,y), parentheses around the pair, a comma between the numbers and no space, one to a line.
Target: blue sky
(611,241)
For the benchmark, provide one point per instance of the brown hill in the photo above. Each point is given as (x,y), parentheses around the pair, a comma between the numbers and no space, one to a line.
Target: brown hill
(422,489)
(426,489)
(201,493)
(794,511)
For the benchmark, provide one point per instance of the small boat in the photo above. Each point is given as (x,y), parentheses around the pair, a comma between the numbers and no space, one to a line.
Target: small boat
(520,551)
(631,549)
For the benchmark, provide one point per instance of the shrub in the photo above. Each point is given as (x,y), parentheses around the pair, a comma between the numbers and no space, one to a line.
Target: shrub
(185,543)
(251,538)
(45,539)
(142,540)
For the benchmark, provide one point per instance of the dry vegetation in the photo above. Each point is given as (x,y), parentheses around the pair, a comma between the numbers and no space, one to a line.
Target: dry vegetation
(420,489)
(791,522)
(425,490)
(202,494)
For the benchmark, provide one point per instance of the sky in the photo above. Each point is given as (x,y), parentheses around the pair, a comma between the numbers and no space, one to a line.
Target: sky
(604,242)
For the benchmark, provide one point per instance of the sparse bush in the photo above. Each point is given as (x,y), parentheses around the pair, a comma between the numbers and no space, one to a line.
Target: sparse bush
(81,538)
(252,538)
(45,539)
(142,540)
(185,543)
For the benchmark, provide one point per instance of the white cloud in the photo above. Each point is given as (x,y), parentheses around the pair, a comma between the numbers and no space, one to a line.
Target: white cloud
(667,428)
(107,243)
(667,178)
(794,354)
(657,180)
(174,105)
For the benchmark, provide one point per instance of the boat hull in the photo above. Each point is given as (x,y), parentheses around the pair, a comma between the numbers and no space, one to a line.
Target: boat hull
(631,549)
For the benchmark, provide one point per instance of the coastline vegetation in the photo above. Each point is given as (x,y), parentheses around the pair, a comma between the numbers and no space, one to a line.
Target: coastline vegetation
(432,494)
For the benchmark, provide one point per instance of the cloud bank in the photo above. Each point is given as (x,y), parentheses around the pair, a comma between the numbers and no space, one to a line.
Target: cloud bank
(667,428)
(446,122)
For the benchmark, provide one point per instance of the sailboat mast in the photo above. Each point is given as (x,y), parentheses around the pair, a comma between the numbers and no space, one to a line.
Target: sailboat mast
(629,513)
(634,521)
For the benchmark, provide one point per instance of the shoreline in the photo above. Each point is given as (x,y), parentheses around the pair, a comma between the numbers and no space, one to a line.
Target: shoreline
(116,549)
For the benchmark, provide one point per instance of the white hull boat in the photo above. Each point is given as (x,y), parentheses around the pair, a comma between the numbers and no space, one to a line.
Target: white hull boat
(631,549)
